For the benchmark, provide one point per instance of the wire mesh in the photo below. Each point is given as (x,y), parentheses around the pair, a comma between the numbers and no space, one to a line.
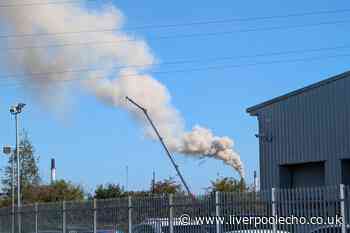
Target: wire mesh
(210,213)
(150,214)
(237,205)
(5,219)
(79,216)
(112,215)
(28,218)
(50,217)
(306,203)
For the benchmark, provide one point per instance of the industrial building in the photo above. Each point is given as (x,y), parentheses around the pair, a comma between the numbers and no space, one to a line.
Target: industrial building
(304,136)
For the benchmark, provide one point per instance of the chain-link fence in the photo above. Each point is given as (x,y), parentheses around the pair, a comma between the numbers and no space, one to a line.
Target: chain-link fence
(244,212)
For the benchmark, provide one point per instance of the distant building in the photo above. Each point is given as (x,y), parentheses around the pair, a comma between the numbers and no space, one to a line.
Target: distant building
(304,136)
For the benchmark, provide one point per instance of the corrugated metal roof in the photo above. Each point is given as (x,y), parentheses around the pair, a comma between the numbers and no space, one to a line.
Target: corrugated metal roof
(254,109)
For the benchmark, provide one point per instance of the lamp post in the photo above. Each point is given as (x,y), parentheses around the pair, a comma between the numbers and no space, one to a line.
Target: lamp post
(8,151)
(16,110)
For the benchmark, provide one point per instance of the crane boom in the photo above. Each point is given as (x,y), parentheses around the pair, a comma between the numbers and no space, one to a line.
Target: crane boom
(144,110)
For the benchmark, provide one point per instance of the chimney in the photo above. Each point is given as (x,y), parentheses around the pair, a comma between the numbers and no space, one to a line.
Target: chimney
(53,171)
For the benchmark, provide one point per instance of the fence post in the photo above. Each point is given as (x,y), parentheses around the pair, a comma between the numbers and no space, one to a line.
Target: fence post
(342,207)
(19,219)
(274,212)
(130,214)
(63,216)
(171,213)
(217,211)
(36,218)
(13,219)
(95,215)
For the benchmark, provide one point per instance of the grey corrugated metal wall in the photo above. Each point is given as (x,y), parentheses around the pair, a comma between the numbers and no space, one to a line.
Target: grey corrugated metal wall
(311,126)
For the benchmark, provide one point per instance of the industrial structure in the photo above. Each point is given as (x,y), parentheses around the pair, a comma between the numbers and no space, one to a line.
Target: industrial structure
(304,136)
(53,171)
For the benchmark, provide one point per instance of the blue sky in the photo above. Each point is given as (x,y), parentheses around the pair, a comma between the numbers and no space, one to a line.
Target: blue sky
(93,143)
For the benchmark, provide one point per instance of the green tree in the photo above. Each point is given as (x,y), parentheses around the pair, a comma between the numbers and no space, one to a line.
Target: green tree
(28,165)
(58,191)
(109,191)
(228,184)
(167,186)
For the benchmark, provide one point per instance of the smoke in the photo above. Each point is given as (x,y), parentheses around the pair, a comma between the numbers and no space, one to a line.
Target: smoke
(118,72)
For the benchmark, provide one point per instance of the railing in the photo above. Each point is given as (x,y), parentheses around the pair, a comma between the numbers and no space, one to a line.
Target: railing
(225,212)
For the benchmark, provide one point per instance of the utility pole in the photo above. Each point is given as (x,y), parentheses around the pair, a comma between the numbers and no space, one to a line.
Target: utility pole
(153,181)
(18,178)
(127,178)
(163,144)
(16,110)
(255,181)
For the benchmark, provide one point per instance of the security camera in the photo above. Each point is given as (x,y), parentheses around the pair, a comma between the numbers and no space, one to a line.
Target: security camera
(20,106)
(13,109)
(264,137)
(17,108)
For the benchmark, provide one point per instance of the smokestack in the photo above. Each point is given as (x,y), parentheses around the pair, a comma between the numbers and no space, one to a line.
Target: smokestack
(53,171)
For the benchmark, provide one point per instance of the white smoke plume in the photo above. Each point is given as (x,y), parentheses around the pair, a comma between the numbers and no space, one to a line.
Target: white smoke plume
(108,84)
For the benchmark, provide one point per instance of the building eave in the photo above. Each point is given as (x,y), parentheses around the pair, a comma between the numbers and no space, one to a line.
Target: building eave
(255,109)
